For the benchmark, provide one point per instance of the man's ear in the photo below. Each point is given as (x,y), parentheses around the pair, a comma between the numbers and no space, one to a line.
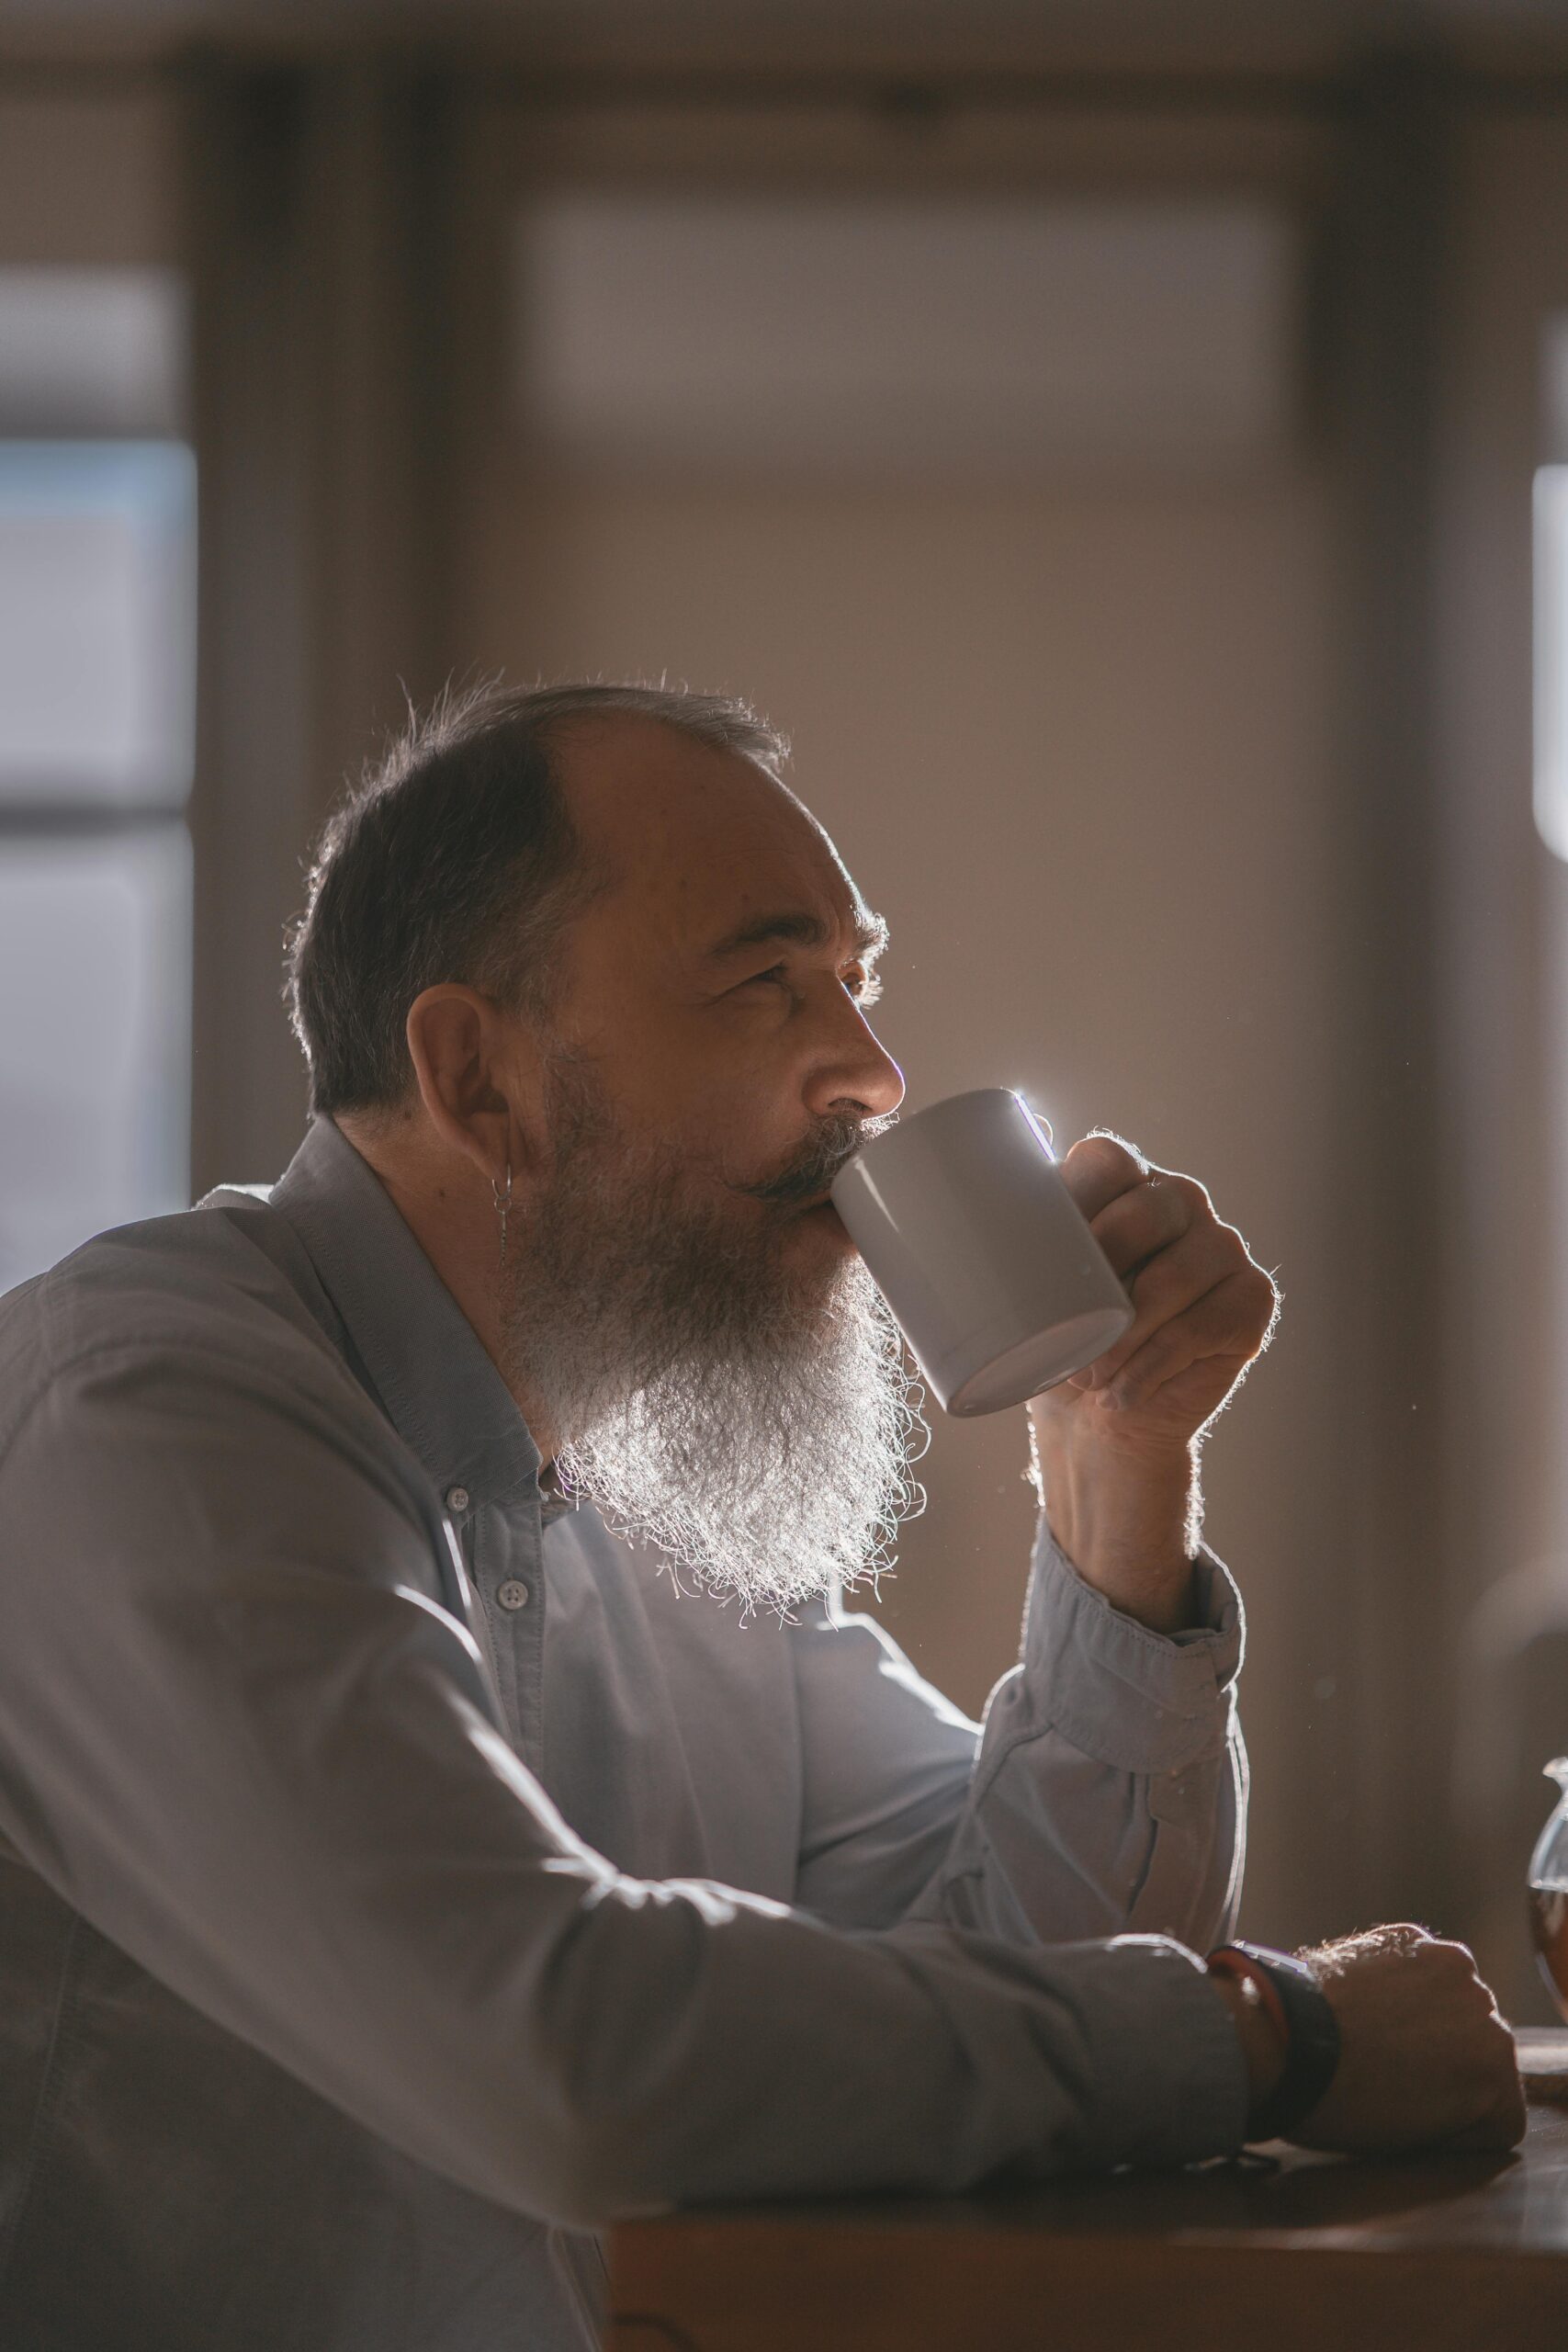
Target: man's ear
(482,1076)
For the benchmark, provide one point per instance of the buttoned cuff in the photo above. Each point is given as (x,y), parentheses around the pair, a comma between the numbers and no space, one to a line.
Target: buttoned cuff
(1131,1698)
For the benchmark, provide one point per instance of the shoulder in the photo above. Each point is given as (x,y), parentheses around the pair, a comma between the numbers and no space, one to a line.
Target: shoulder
(222,1294)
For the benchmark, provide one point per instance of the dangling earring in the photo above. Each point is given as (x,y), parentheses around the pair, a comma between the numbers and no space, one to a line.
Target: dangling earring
(503,1203)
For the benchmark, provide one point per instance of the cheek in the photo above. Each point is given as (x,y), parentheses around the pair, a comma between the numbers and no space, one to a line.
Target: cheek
(740,1119)
(718,1097)
(690,1075)
(726,1152)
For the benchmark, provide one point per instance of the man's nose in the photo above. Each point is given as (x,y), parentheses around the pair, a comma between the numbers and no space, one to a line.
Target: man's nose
(861,1074)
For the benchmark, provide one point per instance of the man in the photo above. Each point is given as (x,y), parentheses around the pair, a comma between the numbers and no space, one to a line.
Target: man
(404,1875)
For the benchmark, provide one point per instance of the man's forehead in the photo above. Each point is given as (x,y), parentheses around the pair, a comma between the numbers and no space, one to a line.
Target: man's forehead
(704,846)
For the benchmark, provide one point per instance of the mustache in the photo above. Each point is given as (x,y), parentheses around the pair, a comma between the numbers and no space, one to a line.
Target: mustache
(809,1171)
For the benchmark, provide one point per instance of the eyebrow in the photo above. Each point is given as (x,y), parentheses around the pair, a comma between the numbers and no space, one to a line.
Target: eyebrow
(868,937)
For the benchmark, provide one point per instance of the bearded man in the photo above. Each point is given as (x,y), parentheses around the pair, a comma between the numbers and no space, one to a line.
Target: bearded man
(407,1871)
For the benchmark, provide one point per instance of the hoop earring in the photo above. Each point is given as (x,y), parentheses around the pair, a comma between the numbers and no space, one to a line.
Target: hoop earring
(502,1203)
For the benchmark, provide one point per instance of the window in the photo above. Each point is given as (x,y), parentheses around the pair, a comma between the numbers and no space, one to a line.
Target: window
(98,538)
(970,339)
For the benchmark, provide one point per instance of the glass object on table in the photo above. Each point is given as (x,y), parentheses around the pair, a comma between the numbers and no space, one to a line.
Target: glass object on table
(1549,1891)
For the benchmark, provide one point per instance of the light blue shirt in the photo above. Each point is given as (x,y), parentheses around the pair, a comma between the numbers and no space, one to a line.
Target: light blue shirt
(399,1880)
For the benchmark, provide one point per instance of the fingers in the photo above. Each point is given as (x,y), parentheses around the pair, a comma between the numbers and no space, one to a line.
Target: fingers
(1504,2115)
(1181,1274)
(1100,1168)
(1197,1292)
(1224,1327)
(1449,2070)
(1149,1215)
(1497,2116)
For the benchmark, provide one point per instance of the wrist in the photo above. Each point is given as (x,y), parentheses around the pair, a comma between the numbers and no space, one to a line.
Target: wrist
(1263,2048)
(1289,1994)
(1126,1515)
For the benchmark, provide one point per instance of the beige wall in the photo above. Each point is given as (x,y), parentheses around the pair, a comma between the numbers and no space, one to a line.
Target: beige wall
(1073,745)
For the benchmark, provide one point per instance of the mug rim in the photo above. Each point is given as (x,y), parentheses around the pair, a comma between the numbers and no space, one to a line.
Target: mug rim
(903,1126)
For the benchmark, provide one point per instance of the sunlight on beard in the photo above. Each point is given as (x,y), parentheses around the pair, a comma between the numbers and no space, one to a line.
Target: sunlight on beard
(755,1424)
(772,1473)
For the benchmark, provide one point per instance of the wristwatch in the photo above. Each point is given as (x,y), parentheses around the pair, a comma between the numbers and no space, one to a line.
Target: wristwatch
(1298,2004)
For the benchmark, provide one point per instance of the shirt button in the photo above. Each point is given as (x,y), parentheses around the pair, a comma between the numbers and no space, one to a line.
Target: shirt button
(512,1594)
(457,1498)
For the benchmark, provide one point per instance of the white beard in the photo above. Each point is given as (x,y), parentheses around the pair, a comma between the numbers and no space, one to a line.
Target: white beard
(755,1426)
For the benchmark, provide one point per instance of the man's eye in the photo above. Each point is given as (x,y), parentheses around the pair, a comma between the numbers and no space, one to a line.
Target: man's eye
(864,988)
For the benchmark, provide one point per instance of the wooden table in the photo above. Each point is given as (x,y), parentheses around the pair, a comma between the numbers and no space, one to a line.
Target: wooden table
(1447,2253)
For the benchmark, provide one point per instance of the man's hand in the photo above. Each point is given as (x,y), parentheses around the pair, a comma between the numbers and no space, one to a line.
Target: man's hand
(1425,2060)
(1425,2057)
(1116,1444)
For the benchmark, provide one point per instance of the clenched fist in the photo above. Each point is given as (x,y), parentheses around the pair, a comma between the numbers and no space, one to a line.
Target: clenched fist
(1425,2059)
(1115,1445)
(1424,2056)
(1204,1309)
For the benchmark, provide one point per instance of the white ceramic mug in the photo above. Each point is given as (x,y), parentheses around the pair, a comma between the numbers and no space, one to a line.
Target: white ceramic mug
(981,1251)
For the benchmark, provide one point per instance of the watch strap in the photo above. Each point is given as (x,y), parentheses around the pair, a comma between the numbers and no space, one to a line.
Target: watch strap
(1312,2035)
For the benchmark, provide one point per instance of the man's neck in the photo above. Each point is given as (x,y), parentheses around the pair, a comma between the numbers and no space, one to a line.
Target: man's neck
(452,1217)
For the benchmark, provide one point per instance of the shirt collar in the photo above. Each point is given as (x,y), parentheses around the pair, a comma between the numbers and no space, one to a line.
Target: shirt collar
(439,1387)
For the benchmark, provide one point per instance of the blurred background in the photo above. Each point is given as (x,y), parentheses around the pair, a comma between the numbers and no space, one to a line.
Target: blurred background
(1125,447)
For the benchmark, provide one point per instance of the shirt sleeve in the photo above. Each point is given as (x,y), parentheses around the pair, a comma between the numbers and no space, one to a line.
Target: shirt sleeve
(241,1739)
(1106,1790)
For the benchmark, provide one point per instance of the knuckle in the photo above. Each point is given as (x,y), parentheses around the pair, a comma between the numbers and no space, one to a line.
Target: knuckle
(1110,1156)
(1241,1268)
(1261,1292)
(1195,1196)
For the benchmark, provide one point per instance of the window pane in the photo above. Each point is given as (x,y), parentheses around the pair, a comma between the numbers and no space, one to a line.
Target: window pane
(97,621)
(971,338)
(95,1062)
